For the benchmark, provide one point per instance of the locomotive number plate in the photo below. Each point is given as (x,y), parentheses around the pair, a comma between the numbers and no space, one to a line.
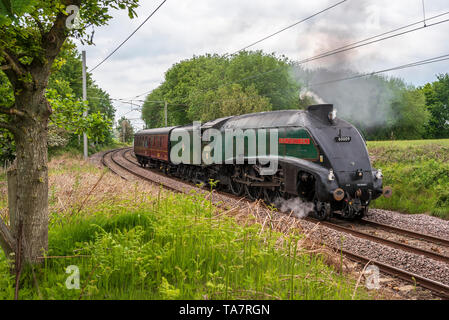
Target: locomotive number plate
(342,139)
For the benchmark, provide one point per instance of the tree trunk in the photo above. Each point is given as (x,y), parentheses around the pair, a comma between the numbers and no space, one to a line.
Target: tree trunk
(12,192)
(31,206)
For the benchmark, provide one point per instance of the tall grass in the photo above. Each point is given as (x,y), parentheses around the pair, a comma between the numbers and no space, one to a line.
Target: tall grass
(152,244)
(418,171)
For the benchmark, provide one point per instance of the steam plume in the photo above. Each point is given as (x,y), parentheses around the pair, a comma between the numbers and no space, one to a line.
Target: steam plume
(300,208)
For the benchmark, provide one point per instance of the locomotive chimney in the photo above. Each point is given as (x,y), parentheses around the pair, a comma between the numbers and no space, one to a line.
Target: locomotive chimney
(325,112)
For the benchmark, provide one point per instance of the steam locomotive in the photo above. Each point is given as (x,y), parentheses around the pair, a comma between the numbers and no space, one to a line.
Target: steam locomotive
(317,157)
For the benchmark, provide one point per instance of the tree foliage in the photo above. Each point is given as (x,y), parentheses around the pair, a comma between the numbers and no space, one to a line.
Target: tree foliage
(210,86)
(125,130)
(64,94)
(437,102)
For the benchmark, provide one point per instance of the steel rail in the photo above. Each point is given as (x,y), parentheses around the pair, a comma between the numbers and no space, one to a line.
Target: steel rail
(414,234)
(390,243)
(438,288)
(104,161)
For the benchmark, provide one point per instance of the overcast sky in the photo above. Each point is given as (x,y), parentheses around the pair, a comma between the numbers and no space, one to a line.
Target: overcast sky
(183,28)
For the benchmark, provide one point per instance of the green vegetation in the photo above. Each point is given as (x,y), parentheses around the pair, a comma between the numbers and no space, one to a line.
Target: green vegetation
(212,86)
(418,172)
(437,101)
(64,93)
(150,244)
(125,130)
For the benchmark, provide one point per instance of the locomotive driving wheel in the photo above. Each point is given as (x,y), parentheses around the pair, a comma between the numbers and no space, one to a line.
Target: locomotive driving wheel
(235,187)
(361,213)
(322,210)
(253,192)
(348,212)
(271,195)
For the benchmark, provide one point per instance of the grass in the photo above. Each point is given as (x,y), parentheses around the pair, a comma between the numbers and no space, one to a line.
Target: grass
(418,172)
(135,241)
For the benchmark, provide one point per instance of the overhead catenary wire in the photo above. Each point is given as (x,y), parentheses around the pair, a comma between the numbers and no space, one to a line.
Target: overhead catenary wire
(288,27)
(129,37)
(354,45)
(408,65)
(376,36)
(358,45)
(344,48)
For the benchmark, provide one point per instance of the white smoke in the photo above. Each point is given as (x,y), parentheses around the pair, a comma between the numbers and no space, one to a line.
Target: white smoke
(300,208)
(310,94)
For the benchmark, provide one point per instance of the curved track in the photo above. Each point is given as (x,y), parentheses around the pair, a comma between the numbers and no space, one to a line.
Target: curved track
(123,163)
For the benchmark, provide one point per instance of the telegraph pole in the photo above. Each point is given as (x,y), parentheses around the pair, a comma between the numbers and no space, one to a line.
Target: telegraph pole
(165,111)
(84,99)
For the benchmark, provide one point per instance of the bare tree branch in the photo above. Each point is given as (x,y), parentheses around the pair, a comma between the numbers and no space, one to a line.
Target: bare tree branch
(14,62)
(5,67)
(6,239)
(11,111)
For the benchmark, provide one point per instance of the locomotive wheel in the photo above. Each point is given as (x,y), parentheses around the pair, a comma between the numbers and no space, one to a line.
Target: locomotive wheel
(322,210)
(361,213)
(253,193)
(236,188)
(271,196)
(190,174)
(348,213)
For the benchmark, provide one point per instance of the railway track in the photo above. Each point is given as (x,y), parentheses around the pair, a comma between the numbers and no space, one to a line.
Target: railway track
(388,242)
(123,163)
(410,233)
